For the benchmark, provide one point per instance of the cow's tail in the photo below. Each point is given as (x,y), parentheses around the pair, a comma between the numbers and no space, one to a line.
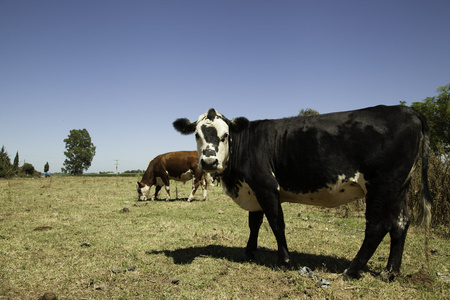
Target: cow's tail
(426,200)
(425,194)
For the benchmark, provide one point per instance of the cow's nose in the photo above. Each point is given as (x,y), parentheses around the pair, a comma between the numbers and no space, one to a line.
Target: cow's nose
(209,152)
(209,163)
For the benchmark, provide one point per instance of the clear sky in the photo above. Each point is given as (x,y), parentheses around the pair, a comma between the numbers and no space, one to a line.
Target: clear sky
(125,70)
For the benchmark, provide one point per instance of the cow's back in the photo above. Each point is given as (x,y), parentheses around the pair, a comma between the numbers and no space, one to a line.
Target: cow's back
(307,154)
(178,163)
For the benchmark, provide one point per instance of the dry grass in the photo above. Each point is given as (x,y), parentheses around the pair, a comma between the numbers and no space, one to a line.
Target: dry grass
(439,182)
(65,235)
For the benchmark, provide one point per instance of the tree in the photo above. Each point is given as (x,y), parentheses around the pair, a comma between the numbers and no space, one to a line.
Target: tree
(5,163)
(46,167)
(437,111)
(80,151)
(16,163)
(28,169)
(308,112)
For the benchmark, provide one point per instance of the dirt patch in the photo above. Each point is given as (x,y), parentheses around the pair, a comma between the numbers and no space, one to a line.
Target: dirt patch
(421,278)
(43,228)
(125,210)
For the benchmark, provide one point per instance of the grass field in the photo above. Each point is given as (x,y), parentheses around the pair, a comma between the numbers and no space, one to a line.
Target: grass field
(65,235)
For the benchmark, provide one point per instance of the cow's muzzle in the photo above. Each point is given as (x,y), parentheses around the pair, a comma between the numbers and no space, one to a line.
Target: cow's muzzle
(209,163)
(208,160)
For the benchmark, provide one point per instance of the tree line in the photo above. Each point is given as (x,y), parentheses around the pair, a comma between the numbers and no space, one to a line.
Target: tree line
(79,154)
(8,169)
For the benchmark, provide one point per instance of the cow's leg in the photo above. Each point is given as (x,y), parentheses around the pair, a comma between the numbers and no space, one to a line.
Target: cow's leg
(399,223)
(168,193)
(254,222)
(157,189)
(376,230)
(166,182)
(268,198)
(276,220)
(195,185)
(204,184)
(373,237)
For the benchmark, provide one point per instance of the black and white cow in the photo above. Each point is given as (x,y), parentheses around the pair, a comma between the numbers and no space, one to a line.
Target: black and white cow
(325,160)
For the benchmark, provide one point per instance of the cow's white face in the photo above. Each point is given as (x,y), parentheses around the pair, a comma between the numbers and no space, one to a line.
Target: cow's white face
(212,143)
(143,191)
(213,133)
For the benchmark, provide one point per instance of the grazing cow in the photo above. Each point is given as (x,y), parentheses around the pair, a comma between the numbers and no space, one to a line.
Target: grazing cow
(179,166)
(325,160)
(215,177)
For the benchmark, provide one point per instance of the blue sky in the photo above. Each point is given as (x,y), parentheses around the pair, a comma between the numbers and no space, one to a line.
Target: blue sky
(125,70)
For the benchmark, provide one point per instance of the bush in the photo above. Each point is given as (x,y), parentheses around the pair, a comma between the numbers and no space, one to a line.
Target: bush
(28,169)
(439,182)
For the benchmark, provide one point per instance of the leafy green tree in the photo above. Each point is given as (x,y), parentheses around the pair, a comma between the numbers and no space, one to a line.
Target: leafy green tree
(437,111)
(5,163)
(16,163)
(46,167)
(79,151)
(28,169)
(308,112)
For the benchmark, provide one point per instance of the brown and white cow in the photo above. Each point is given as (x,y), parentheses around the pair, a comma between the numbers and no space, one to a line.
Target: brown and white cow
(179,166)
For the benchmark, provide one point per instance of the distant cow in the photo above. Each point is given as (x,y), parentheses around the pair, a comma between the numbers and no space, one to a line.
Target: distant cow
(179,166)
(215,177)
(325,160)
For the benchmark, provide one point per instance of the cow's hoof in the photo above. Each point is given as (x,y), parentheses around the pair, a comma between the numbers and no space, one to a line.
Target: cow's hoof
(348,275)
(388,276)
(344,277)
(284,264)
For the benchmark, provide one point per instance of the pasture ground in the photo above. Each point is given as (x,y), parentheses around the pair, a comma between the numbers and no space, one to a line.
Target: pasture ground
(65,235)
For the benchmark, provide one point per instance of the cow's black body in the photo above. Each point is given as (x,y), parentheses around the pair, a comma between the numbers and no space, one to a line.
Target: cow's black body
(329,160)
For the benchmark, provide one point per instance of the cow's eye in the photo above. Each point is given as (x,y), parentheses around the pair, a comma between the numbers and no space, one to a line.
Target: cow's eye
(197,136)
(224,137)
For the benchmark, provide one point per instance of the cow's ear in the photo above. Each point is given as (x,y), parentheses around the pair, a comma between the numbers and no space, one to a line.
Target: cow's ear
(239,124)
(184,126)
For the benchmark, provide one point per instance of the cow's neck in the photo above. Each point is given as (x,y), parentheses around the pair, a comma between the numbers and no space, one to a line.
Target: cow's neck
(146,178)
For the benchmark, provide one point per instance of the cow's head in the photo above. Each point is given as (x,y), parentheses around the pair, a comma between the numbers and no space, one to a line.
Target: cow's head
(212,132)
(143,191)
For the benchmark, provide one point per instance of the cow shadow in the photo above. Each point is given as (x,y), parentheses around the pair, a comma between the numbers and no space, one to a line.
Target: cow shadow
(171,200)
(264,257)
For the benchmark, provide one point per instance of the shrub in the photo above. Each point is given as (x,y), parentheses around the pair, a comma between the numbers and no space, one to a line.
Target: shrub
(439,182)
(28,169)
